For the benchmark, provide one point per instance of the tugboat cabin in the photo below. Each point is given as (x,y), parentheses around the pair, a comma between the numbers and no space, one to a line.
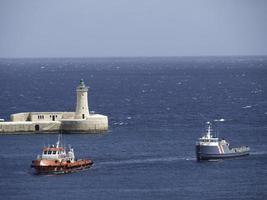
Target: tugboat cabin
(208,138)
(52,153)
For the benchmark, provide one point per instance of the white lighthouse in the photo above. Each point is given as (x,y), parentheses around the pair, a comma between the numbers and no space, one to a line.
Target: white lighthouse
(82,110)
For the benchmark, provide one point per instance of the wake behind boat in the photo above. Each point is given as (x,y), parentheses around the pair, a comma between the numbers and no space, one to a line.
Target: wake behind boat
(210,147)
(55,159)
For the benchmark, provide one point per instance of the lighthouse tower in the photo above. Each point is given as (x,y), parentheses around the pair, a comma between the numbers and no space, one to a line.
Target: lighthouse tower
(82,110)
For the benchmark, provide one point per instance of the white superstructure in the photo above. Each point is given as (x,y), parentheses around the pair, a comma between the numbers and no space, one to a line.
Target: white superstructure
(57,152)
(208,139)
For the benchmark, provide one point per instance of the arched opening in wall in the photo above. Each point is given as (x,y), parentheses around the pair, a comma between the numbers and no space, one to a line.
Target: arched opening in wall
(53,117)
(37,127)
(83,116)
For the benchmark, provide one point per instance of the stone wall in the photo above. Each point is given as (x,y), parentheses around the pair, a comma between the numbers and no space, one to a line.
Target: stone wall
(93,124)
(20,123)
(20,117)
(68,115)
(11,127)
(45,116)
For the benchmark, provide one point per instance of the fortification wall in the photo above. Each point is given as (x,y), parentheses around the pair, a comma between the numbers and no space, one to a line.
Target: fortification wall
(9,127)
(48,126)
(41,116)
(68,115)
(20,117)
(50,116)
(45,116)
(48,122)
(93,124)
(19,127)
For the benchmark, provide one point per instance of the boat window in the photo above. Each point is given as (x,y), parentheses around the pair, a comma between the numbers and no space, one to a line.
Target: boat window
(49,152)
(45,152)
(54,152)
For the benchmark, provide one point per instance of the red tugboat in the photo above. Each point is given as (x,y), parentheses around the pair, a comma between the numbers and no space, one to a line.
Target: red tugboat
(56,160)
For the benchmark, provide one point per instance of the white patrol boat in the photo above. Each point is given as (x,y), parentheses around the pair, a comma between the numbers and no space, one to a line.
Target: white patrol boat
(209,147)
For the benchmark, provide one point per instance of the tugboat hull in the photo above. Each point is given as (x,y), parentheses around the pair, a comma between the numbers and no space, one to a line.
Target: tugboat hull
(55,167)
(215,152)
(209,147)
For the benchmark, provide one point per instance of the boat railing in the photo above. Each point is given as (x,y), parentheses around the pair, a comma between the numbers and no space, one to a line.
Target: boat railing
(208,140)
(241,149)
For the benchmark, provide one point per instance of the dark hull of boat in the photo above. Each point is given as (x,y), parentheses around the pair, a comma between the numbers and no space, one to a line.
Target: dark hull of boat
(60,168)
(204,153)
(220,156)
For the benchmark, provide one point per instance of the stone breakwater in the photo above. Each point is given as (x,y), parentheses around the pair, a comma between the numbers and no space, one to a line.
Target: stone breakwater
(80,121)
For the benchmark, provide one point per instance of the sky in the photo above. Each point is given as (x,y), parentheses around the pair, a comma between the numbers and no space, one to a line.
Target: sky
(132,28)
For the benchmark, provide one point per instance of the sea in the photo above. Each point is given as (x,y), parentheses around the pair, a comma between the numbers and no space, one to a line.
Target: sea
(157,108)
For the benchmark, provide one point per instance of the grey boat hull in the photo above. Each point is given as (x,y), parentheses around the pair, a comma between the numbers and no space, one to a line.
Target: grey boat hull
(213,153)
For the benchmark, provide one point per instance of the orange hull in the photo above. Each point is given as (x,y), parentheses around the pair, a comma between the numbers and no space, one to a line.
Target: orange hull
(56,167)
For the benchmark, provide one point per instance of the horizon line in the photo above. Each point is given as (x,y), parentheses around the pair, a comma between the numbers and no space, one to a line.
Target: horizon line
(118,57)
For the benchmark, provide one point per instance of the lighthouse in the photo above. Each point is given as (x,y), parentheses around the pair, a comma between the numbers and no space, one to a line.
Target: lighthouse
(82,110)
(79,121)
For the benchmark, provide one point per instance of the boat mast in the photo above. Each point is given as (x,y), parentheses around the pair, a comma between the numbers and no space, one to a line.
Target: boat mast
(209,130)
(58,141)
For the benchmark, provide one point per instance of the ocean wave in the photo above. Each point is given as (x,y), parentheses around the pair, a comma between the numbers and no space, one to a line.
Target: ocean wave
(120,123)
(245,107)
(146,160)
(128,190)
(219,120)
(258,153)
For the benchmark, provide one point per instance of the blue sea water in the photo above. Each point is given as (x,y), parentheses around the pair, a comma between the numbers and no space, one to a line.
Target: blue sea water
(157,109)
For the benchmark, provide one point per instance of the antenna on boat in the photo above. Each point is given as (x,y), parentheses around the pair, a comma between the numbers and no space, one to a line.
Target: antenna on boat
(209,129)
(207,122)
(59,141)
(216,122)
